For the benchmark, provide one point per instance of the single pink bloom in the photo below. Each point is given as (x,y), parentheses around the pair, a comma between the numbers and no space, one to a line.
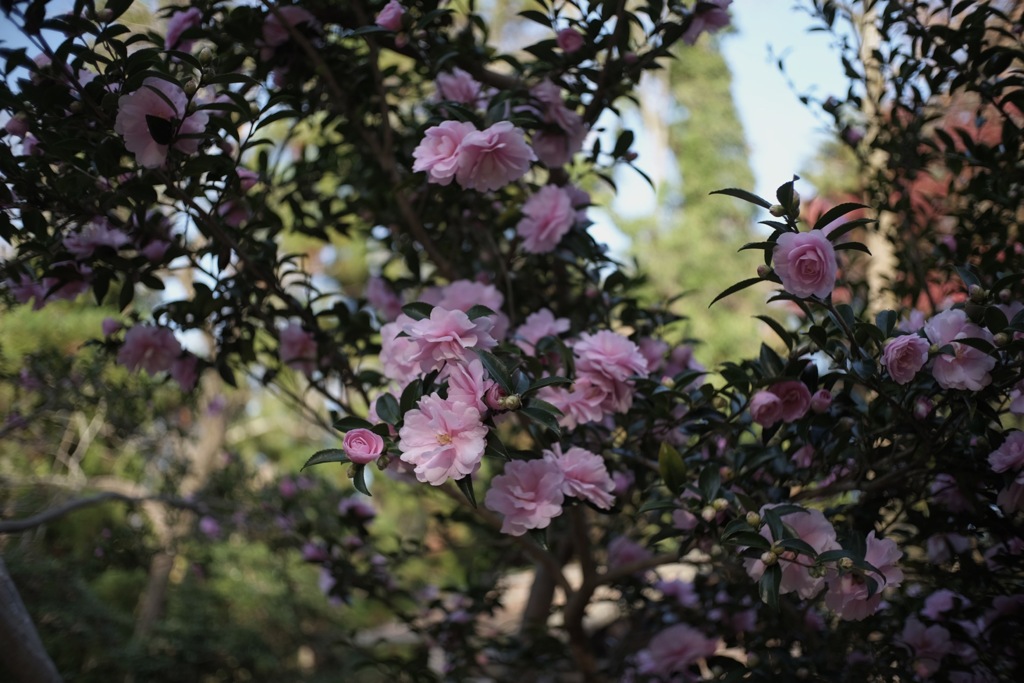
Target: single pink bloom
(1011,498)
(806,263)
(904,357)
(17,126)
(709,16)
(612,358)
(948,494)
(287,488)
(397,352)
(795,397)
(154,349)
(586,476)
(156,250)
(313,552)
(439,153)
(209,527)
(110,326)
(928,645)
(462,295)
(384,299)
(492,158)
(814,529)
(941,601)
(1017,399)
(390,17)
(563,136)
(804,456)
(442,439)
(458,86)
(682,592)
(185,371)
(582,404)
(468,383)
(298,349)
(555,148)
(765,408)
(96,234)
(654,351)
(674,650)
(821,401)
(359,508)
(153,118)
(847,594)
(1009,455)
(528,495)
(275,27)
(967,367)
(538,325)
(547,216)
(362,446)
(623,552)
(178,24)
(447,336)
(569,40)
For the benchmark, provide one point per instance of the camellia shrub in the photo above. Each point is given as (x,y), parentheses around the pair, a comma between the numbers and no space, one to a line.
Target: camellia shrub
(846,506)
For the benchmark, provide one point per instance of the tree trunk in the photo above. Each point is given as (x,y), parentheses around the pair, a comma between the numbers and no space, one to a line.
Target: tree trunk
(24,655)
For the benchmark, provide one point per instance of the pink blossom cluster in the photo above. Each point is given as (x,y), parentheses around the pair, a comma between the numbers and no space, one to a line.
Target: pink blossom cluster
(477,160)
(277,27)
(961,366)
(708,16)
(156,118)
(606,362)
(788,401)
(848,593)
(563,132)
(155,350)
(459,86)
(674,650)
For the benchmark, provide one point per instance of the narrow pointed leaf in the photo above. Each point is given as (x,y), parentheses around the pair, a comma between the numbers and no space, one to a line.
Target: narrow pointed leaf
(326,455)
(741,285)
(745,196)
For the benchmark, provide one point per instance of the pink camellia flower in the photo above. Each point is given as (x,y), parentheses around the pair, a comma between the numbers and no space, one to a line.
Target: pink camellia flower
(821,401)
(155,118)
(313,552)
(396,352)
(941,601)
(814,529)
(458,86)
(765,408)
(848,593)
(468,383)
(586,476)
(439,152)
(390,17)
(1011,498)
(298,349)
(275,27)
(17,126)
(185,371)
(447,336)
(538,325)
(547,216)
(928,645)
(709,16)
(528,495)
(96,234)
(609,359)
(462,295)
(110,326)
(806,263)
(904,357)
(358,508)
(569,40)
(178,24)
(362,446)
(967,367)
(795,398)
(154,349)
(1009,456)
(623,552)
(674,650)
(563,136)
(492,158)
(442,439)
(804,456)
(209,527)
(383,298)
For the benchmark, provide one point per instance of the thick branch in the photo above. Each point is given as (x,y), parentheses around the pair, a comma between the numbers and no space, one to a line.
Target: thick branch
(24,655)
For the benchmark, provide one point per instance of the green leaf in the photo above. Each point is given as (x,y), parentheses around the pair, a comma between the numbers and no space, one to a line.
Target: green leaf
(672,468)
(743,284)
(547,382)
(745,196)
(778,329)
(359,479)
(543,418)
(769,584)
(350,422)
(967,274)
(886,321)
(837,212)
(326,455)
(497,370)
(658,504)
(748,539)
(799,546)
(709,482)
(411,395)
(417,310)
(388,409)
(466,486)
(852,246)
(479,311)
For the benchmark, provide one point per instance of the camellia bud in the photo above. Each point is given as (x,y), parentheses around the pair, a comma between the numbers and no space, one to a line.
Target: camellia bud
(720,504)
(769,558)
(513,402)
(668,382)
(383,462)
(821,400)
(1001,339)
(846,563)
(619,437)
(977,293)
(190,87)
(708,513)
(923,407)
(753,519)
(763,271)
(777,210)
(105,15)
(1005,295)
(205,56)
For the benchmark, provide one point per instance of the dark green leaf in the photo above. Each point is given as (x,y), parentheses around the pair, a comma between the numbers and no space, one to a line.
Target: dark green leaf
(359,479)
(672,468)
(466,486)
(745,196)
(326,455)
(417,310)
(743,284)
(836,212)
(388,409)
